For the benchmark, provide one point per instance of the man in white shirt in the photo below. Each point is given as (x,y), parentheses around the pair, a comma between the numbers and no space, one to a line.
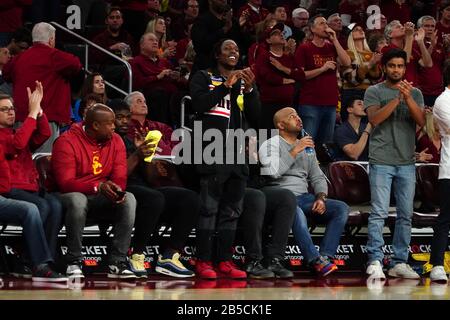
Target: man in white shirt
(441,113)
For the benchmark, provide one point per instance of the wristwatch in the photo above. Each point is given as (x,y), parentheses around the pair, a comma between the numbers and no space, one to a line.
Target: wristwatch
(321,196)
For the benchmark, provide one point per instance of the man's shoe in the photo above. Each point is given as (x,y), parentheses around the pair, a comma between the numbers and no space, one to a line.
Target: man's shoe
(279,270)
(255,270)
(43,273)
(74,271)
(375,271)
(173,267)
(205,270)
(137,265)
(403,270)
(438,274)
(22,271)
(119,270)
(323,267)
(228,269)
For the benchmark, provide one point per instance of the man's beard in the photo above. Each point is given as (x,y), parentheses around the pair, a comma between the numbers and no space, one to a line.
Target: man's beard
(392,80)
(114,29)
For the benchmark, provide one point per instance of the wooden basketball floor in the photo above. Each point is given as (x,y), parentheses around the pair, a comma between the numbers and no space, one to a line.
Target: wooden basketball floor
(339,286)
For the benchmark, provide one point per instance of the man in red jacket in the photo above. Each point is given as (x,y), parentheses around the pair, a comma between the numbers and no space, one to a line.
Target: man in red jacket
(19,146)
(54,68)
(27,215)
(89,166)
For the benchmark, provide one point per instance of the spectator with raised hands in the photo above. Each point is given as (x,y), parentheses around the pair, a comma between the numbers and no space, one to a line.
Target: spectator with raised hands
(276,75)
(404,37)
(19,145)
(319,59)
(430,79)
(54,68)
(394,107)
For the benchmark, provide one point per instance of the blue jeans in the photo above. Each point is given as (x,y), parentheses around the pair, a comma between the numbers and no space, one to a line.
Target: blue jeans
(319,122)
(381,178)
(335,217)
(50,210)
(27,215)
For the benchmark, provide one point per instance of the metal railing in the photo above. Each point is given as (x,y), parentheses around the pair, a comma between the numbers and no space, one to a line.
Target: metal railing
(86,64)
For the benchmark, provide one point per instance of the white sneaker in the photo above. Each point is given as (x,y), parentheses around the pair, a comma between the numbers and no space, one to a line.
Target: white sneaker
(375,271)
(74,271)
(438,274)
(403,270)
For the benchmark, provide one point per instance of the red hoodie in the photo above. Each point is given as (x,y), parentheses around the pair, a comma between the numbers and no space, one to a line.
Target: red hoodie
(18,146)
(4,173)
(79,163)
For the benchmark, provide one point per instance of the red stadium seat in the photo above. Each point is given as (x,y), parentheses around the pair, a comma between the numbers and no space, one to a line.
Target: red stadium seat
(351,185)
(427,179)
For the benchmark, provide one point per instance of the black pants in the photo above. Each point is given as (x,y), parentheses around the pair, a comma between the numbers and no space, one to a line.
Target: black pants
(222,200)
(177,207)
(442,226)
(271,209)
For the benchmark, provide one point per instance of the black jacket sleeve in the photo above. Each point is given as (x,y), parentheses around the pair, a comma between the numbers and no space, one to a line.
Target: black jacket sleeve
(252,107)
(204,99)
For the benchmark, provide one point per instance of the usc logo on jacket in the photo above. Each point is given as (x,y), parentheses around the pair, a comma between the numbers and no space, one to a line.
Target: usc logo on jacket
(96,165)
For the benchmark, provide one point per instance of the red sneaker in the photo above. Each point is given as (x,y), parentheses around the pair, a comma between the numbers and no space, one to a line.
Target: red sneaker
(205,270)
(229,269)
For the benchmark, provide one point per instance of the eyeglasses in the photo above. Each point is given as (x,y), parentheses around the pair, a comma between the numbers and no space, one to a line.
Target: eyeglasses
(7,109)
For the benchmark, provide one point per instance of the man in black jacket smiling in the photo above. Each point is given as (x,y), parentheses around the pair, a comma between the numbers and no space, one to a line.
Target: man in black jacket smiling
(223,97)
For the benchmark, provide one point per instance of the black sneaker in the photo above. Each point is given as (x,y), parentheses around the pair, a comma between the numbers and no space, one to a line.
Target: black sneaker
(255,270)
(120,270)
(278,269)
(43,273)
(21,270)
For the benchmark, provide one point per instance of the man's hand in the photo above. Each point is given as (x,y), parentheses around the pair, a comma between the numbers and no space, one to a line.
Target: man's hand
(329,65)
(146,149)
(405,89)
(165,72)
(376,58)
(291,46)
(331,33)
(319,206)
(420,35)
(277,64)
(118,46)
(301,145)
(234,76)
(249,79)
(228,18)
(244,17)
(434,38)
(409,29)
(110,190)
(34,100)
